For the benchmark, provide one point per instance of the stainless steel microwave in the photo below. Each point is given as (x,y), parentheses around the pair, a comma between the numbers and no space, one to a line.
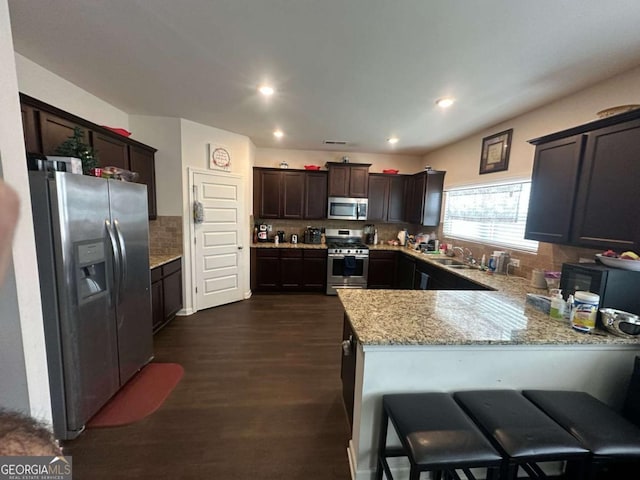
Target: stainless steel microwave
(342,208)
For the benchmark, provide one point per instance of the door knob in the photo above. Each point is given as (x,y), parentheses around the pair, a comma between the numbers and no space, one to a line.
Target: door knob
(239,247)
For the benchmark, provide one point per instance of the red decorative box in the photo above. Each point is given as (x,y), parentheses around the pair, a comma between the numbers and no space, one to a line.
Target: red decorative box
(119,131)
(390,170)
(312,167)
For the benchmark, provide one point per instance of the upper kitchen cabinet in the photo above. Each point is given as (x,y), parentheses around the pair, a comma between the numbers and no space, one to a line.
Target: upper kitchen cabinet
(30,128)
(348,179)
(608,199)
(112,152)
(554,181)
(386,198)
(142,160)
(46,127)
(592,168)
(55,130)
(315,195)
(289,194)
(424,198)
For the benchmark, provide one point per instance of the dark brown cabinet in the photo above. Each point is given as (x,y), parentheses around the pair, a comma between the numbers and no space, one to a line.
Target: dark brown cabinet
(46,127)
(291,270)
(315,195)
(289,194)
(424,198)
(585,185)
(348,367)
(278,194)
(55,130)
(553,189)
(166,293)
(288,270)
(382,269)
(608,198)
(112,152)
(31,128)
(406,272)
(386,198)
(314,270)
(348,180)
(142,160)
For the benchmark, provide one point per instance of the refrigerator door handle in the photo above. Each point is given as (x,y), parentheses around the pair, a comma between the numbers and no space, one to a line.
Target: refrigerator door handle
(123,255)
(116,262)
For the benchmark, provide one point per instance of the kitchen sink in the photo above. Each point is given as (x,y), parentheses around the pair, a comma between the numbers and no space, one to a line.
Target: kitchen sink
(451,263)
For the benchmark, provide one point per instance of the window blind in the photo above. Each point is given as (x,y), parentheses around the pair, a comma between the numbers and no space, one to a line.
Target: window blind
(494,214)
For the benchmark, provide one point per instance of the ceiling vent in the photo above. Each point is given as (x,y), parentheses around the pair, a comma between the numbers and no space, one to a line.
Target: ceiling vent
(334,142)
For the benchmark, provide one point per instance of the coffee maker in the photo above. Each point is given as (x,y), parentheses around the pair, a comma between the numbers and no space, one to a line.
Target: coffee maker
(369,232)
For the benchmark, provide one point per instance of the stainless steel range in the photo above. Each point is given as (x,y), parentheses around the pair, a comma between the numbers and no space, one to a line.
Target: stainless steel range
(347,260)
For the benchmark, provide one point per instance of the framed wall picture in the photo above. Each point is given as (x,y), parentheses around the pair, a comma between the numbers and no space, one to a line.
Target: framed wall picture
(495,152)
(219,157)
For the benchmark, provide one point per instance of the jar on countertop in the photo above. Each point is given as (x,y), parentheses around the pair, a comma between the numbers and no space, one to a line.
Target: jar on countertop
(584,311)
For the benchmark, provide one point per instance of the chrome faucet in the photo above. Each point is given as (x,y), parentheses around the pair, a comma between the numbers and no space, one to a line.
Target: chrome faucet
(466,254)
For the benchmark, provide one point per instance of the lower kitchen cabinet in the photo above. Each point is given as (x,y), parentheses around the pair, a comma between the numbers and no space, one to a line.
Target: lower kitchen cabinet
(382,269)
(314,270)
(288,270)
(406,272)
(166,292)
(348,367)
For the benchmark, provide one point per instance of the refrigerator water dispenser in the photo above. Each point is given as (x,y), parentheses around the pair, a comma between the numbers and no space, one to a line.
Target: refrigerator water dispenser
(91,271)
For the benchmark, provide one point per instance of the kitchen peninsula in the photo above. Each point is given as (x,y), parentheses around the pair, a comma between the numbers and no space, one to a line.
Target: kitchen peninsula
(414,340)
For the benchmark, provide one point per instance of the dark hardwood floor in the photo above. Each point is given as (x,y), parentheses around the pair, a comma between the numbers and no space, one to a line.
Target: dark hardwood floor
(260,399)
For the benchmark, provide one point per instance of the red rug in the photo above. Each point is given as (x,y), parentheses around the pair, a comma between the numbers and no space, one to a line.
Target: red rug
(141,396)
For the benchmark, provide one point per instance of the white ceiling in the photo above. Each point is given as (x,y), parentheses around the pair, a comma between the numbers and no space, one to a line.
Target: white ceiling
(354,70)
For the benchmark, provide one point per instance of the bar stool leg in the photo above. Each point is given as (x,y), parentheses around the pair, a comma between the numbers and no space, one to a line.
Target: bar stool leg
(382,443)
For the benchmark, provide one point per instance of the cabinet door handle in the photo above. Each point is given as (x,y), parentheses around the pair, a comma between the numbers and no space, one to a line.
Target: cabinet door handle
(347,346)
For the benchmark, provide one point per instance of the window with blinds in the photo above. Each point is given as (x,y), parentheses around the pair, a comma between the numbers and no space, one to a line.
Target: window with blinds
(494,214)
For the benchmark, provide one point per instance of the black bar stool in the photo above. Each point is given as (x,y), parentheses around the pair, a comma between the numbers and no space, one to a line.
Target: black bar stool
(610,438)
(436,437)
(521,431)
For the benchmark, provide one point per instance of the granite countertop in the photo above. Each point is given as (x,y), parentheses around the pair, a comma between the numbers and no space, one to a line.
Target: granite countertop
(159,260)
(460,317)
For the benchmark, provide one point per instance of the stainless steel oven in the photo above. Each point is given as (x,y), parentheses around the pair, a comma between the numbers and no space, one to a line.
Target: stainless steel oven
(347,260)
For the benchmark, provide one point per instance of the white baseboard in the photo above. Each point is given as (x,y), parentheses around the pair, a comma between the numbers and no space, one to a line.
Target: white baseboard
(185,312)
(247,295)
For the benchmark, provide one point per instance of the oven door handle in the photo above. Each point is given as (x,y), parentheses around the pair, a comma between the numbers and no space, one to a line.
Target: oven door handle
(342,255)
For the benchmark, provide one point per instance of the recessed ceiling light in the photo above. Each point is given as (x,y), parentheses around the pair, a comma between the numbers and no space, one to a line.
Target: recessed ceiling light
(278,134)
(392,140)
(445,102)
(266,90)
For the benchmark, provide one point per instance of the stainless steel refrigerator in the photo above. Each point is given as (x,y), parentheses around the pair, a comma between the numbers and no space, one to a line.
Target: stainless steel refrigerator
(93,261)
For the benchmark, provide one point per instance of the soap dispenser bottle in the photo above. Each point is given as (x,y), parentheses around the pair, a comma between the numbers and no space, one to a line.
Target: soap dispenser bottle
(557,305)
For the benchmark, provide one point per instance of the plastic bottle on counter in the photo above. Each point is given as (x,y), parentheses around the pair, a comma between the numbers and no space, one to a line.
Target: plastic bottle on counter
(375,236)
(568,309)
(276,240)
(557,306)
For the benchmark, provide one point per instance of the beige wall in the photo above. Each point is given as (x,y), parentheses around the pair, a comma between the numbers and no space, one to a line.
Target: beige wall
(461,160)
(271,157)
(195,140)
(23,366)
(163,133)
(44,85)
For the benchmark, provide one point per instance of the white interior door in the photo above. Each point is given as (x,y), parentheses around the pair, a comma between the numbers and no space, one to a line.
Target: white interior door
(218,241)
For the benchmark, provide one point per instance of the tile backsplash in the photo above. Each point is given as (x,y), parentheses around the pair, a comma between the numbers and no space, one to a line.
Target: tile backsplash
(165,236)
(549,257)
